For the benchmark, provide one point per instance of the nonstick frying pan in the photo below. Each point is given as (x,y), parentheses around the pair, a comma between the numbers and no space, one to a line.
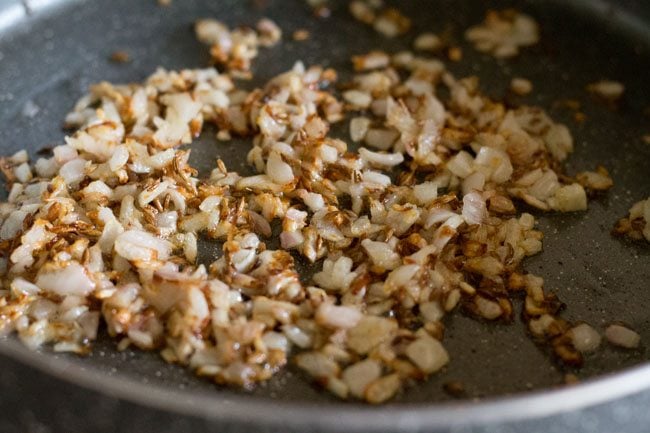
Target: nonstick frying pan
(51,50)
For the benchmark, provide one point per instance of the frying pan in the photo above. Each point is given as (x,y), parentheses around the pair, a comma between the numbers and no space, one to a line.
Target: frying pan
(51,50)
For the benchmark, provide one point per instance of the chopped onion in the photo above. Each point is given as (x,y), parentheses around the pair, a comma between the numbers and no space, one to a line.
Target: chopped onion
(623,337)
(584,338)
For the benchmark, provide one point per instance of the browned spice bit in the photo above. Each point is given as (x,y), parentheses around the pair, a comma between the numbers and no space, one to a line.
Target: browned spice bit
(164,2)
(454,388)
(624,227)
(455,54)
(579,117)
(301,35)
(570,104)
(506,308)
(120,56)
(45,150)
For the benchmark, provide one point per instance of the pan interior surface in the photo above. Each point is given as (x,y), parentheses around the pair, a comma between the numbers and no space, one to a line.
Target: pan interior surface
(49,57)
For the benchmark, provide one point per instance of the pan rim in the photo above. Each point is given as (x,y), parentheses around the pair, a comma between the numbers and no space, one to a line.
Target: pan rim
(243,409)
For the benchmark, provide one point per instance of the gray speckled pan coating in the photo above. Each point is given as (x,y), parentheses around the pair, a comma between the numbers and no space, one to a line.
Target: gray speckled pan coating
(50,56)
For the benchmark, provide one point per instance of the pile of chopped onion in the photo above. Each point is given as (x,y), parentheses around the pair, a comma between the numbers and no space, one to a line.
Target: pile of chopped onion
(420,221)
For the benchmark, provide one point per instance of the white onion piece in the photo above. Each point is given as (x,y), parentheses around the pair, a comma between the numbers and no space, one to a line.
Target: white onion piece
(313,200)
(297,336)
(376,178)
(21,286)
(358,376)
(432,311)
(584,338)
(380,159)
(370,332)
(488,309)
(336,275)
(359,128)
(289,240)
(545,186)
(278,170)
(623,337)
(427,42)
(70,280)
(328,153)
(99,188)
(23,172)
(317,365)
(167,220)
(400,277)
(358,98)
(381,254)
(151,193)
(333,316)
(140,245)
(428,354)
(436,216)
(72,171)
(276,341)
(461,164)
(63,154)
(497,161)
(445,232)
(381,139)
(13,224)
(569,198)
(426,192)
(119,158)
(46,167)
(474,182)
(474,208)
